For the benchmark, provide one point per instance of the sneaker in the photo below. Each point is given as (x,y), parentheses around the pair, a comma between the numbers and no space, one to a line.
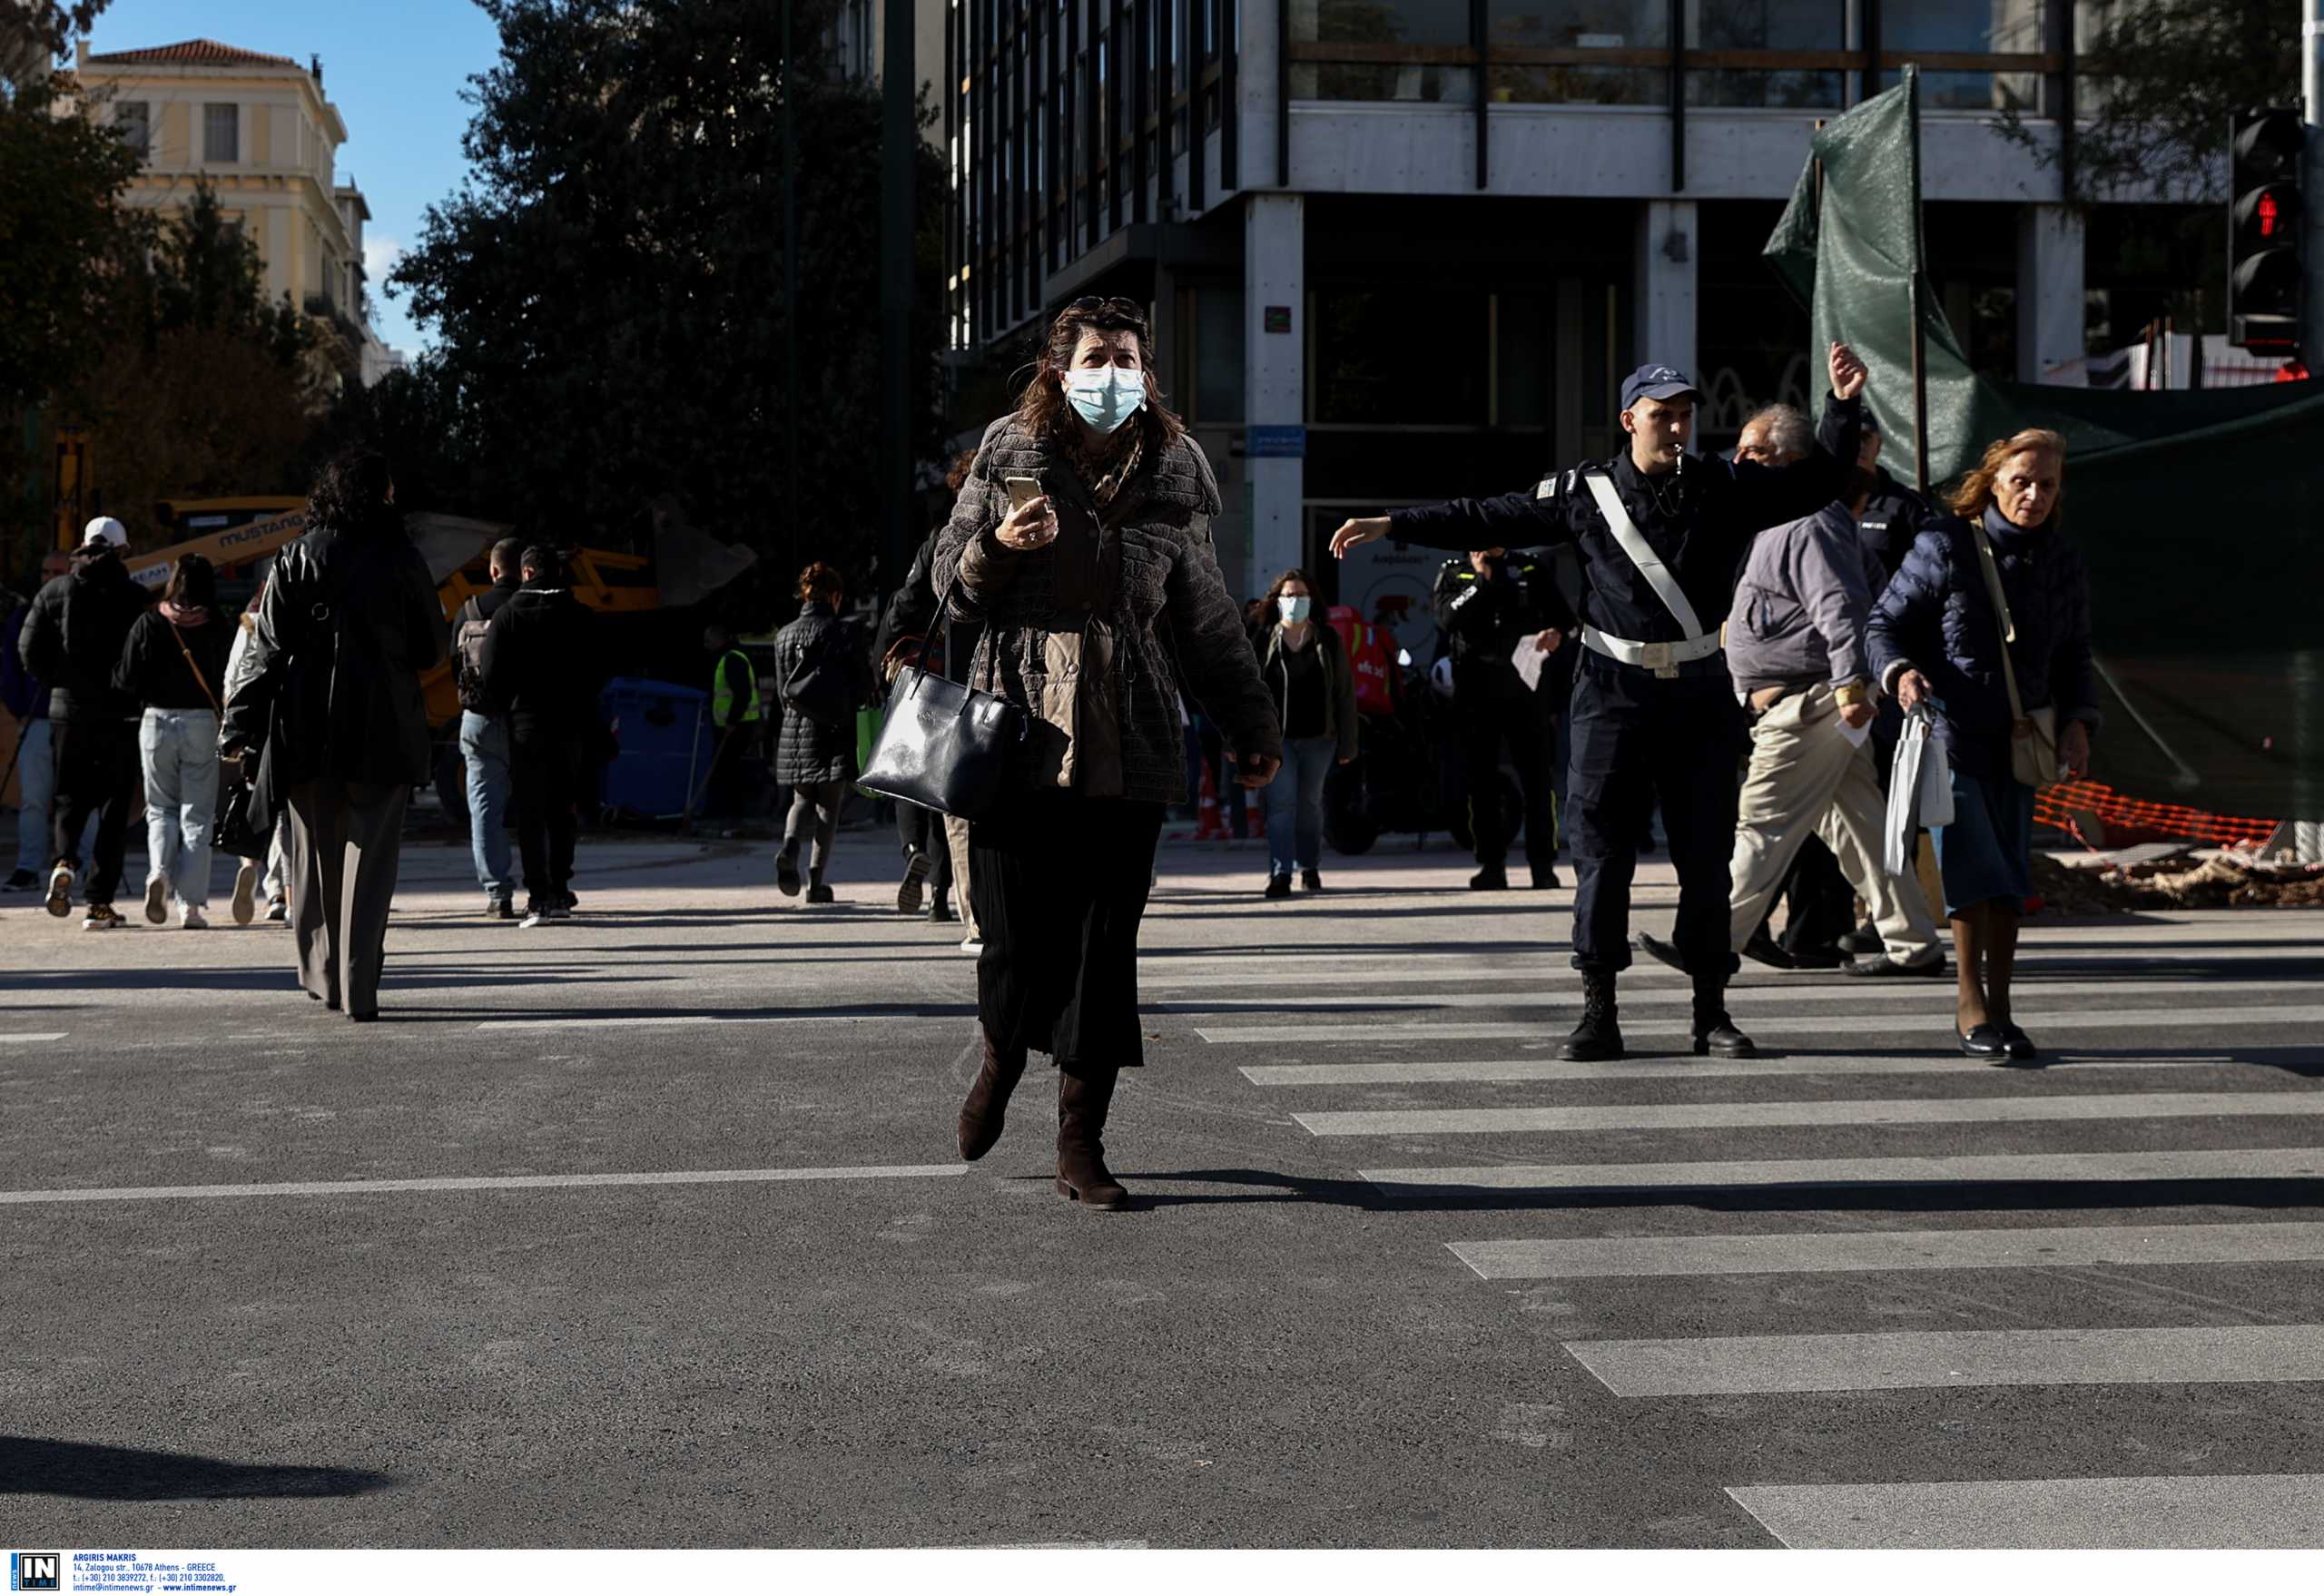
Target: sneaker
(819,894)
(157,901)
(1311,879)
(786,874)
(23,880)
(103,917)
(940,913)
(60,891)
(1492,878)
(1278,886)
(500,909)
(572,898)
(971,944)
(278,910)
(562,909)
(536,916)
(916,869)
(245,905)
(190,917)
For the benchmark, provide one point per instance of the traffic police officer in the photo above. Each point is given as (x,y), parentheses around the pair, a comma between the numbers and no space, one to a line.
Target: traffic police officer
(1660,535)
(1888,515)
(1486,604)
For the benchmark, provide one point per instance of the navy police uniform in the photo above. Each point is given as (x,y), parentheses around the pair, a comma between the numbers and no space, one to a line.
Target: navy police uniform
(1482,619)
(1654,716)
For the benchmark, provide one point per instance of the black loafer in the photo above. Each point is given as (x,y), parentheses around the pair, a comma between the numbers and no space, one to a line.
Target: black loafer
(1984,1041)
(1655,948)
(2018,1043)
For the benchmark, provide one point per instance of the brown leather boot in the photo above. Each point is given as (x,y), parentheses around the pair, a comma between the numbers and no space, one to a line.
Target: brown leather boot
(1082,1099)
(988,1100)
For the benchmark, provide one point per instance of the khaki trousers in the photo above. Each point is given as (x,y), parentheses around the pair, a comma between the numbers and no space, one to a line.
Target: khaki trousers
(345,838)
(956,839)
(1806,776)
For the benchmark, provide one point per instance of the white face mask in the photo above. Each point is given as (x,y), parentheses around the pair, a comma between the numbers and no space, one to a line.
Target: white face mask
(1294,610)
(1106,396)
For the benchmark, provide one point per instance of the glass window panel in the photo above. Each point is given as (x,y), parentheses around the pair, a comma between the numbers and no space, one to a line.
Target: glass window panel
(1766,25)
(1218,354)
(1524,343)
(1580,86)
(135,118)
(1976,90)
(1445,85)
(1985,28)
(1571,25)
(1380,22)
(1376,361)
(221,132)
(1803,91)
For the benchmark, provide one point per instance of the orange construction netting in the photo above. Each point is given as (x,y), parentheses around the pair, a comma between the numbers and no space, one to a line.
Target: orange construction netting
(2060,804)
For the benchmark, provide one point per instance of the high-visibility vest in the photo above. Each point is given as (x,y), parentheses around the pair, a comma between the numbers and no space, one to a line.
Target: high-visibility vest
(721,699)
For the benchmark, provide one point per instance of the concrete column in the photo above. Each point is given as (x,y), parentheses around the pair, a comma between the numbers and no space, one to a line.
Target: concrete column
(2049,289)
(1665,256)
(1274,382)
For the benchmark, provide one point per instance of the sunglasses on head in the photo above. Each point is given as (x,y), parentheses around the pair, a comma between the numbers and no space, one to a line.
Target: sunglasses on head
(1129,310)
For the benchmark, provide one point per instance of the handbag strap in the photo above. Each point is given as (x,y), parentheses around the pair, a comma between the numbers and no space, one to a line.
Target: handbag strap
(200,680)
(1992,567)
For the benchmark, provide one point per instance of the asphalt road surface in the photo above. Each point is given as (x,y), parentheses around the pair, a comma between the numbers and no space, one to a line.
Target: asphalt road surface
(648,1230)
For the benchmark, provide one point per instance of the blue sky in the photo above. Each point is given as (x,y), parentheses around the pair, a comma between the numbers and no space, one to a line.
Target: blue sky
(395,69)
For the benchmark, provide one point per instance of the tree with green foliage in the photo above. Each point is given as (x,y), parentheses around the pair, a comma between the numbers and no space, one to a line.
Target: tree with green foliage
(608,285)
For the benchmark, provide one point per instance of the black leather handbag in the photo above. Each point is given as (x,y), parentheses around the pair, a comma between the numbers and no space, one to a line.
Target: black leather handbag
(243,828)
(943,746)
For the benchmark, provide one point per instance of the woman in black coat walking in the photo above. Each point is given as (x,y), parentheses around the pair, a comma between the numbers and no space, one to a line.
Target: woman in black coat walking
(823,680)
(1989,672)
(332,718)
(1082,531)
(542,674)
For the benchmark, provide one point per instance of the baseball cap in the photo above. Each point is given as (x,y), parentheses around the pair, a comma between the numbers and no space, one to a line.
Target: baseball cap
(1656,382)
(105,530)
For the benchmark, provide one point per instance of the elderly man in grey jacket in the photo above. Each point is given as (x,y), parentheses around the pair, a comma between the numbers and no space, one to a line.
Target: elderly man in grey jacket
(1795,645)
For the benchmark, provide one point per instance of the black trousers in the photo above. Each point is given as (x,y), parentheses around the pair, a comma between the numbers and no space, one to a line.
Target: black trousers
(544,788)
(1491,718)
(97,773)
(922,830)
(1060,885)
(1820,904)
(1638,739)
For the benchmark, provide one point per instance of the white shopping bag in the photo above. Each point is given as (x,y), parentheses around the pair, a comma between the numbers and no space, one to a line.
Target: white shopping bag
(1920,794)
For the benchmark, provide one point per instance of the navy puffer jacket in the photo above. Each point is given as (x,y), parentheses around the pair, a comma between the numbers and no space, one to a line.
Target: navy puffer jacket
(1937,618)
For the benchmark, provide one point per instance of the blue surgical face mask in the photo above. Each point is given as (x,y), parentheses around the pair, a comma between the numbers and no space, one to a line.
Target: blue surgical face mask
(1294,610)
(1106,396)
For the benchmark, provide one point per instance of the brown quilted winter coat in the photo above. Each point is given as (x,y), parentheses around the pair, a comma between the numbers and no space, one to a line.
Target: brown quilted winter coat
(1075,631)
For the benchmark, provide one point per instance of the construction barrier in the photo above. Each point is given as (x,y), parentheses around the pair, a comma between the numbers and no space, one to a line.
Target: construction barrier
(2063,805)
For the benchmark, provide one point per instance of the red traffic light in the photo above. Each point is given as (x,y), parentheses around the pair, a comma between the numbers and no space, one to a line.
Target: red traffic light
(2268,215)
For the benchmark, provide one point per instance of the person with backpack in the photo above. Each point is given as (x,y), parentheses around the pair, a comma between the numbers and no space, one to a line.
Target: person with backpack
(542,674)
(824,679)
(484,738)
(72,639)
(174,665)
(332,719)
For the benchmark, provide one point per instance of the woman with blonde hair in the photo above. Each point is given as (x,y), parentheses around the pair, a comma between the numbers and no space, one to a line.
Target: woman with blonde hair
(1986,625)
(1081,536)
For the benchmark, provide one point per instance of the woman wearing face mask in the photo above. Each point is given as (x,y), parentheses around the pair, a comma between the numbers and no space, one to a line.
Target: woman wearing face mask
(1307,674)
(1939,639)
(1107,538)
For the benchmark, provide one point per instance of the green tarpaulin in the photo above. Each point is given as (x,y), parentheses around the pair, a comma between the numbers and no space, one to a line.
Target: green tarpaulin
(2200,513)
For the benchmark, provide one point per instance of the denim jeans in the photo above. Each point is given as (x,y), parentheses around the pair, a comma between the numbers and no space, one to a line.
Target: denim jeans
(1294,802)
(484,747)
(35,788)
(179,749)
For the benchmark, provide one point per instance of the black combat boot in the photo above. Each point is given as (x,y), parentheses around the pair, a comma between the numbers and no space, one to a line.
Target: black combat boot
(988,1100)
(1715,1033)
(1598,1037)
(1083,1096)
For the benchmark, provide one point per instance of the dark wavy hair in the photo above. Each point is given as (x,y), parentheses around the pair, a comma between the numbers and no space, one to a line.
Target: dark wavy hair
(819,581)
(194,581)
(1276,591)
(351,493)
(1043,412)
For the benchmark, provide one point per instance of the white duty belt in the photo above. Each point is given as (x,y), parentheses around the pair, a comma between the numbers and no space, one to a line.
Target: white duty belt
(1662,658)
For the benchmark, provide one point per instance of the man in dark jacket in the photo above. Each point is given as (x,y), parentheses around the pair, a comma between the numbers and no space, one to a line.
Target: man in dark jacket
(72,639)
(1660,535)
(1486,604)
(542,671)
(484,739)
(26,697)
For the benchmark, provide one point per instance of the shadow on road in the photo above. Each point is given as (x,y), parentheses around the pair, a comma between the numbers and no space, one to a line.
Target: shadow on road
(30,1466)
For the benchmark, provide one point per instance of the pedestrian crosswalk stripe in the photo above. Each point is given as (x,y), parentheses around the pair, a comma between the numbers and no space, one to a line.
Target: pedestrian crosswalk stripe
(1900,1360)
(1810,1252)
(1525,994)
(2193,1512)
(1421,1072)
(1726,1116)
(33,1036)
(1937,1022)
(1981,1168)
(434,1183)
